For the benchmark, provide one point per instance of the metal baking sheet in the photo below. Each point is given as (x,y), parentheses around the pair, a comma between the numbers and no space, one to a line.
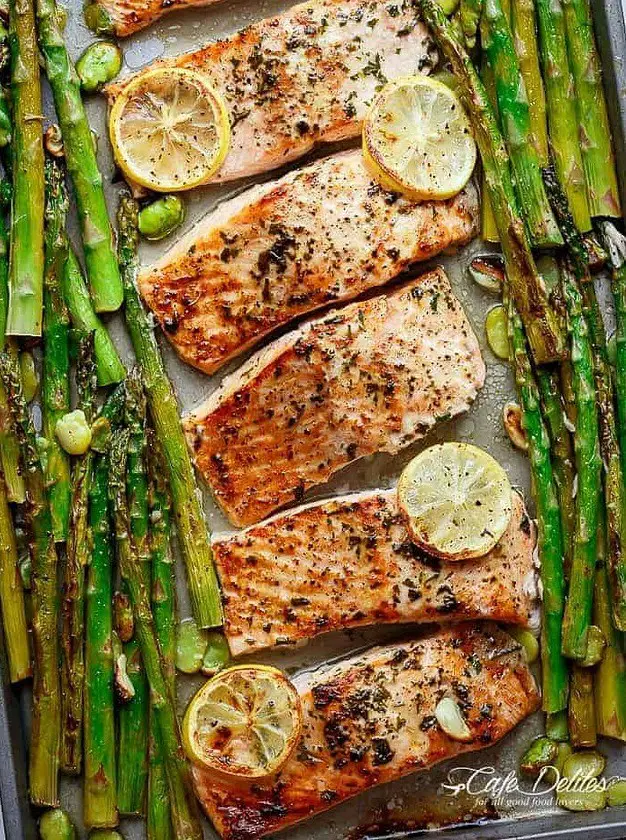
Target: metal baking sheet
(407,807)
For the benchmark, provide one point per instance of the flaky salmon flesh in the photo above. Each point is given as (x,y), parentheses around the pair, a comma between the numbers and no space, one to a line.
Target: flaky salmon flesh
(306,76)
(371,377)
(349,561)
(323,234)
(371,718)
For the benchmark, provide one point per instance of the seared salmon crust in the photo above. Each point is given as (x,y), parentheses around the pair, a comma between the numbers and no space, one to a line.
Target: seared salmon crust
(306,76)
(349,561)
(317,236)
(371,718)
(371,377)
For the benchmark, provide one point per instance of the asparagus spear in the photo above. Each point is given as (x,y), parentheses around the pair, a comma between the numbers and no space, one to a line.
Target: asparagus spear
(12,486)
(97,236)
(99,796)
(565,216)
(557,726)
(132,747)
(5,105)
(4,264)
(554,666)
(555,410)
(12,597)
(470,14)
(159,821)
(610,676)
(46,714)
(185,822)
(556,406)
(616,246)
(567,392)
(11,589)
(56,357)
(163,589)
(135,418)
(188,514)
(542,327)
(489,230)
(108,365)
(9,454)
(593,128)
(77,560)
(123,623)
(524,25)
(614,491)
(163,609)
(27,258)
(488,227)
(9,449)
(562,115)
(562,454)
(497,42)
(580,599)
(132,774)
(582,713)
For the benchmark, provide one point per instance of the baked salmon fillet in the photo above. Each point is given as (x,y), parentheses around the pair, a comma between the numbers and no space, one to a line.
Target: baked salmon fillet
(371,377)
(123,17)
(349,561)
(371,718)
(323,234)
(306,76)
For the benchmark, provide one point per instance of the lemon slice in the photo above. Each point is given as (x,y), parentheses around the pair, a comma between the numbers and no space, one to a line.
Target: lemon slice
(244,722)
(169,129)
(417,139)
(456,499)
